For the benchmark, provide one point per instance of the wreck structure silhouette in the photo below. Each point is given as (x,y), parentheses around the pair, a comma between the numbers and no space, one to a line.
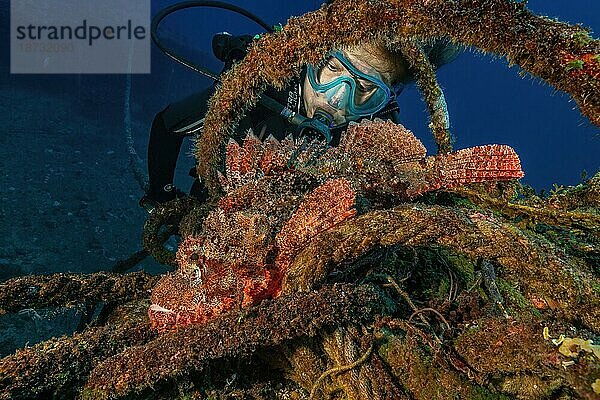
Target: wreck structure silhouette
(368,271)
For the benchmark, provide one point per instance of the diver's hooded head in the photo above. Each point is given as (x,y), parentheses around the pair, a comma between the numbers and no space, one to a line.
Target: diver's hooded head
(357,82)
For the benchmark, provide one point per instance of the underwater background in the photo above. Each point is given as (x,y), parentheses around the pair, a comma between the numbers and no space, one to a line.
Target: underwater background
(68,197)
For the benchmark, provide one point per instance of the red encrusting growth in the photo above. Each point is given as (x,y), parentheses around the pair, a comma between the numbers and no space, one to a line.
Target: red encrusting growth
(473,165)
(325,207)
(583,64)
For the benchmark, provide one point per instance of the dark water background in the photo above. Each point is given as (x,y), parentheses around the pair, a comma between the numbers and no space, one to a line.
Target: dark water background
(68,199)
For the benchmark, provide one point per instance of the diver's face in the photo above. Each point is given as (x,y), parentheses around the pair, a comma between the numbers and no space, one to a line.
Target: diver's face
(335,101)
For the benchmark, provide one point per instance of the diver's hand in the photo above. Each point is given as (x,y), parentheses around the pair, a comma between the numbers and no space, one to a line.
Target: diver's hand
(151,201)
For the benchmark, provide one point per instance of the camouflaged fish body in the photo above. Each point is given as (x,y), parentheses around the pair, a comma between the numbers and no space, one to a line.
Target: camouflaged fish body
(281,194)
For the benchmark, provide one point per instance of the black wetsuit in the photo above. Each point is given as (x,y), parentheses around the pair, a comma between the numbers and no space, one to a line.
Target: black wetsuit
(186,118)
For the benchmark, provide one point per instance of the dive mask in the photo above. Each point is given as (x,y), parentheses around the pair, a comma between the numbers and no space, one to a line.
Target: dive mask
(346,87)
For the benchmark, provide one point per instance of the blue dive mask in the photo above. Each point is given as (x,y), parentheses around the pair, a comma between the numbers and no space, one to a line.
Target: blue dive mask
(345,87)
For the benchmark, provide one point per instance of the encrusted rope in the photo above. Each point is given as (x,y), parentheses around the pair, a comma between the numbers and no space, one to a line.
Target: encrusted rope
(563,55)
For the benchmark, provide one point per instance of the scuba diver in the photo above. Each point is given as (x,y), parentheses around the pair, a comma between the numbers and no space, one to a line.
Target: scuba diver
(348,85)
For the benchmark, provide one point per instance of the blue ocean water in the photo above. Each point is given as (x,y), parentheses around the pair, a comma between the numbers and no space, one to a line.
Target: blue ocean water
(68,199)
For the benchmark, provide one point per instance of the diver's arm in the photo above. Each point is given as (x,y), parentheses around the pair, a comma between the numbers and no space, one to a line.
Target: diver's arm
(163,151)
(181,119)
(169,127)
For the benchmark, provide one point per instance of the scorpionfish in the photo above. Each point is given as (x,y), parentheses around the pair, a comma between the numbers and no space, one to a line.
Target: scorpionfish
(281,194)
